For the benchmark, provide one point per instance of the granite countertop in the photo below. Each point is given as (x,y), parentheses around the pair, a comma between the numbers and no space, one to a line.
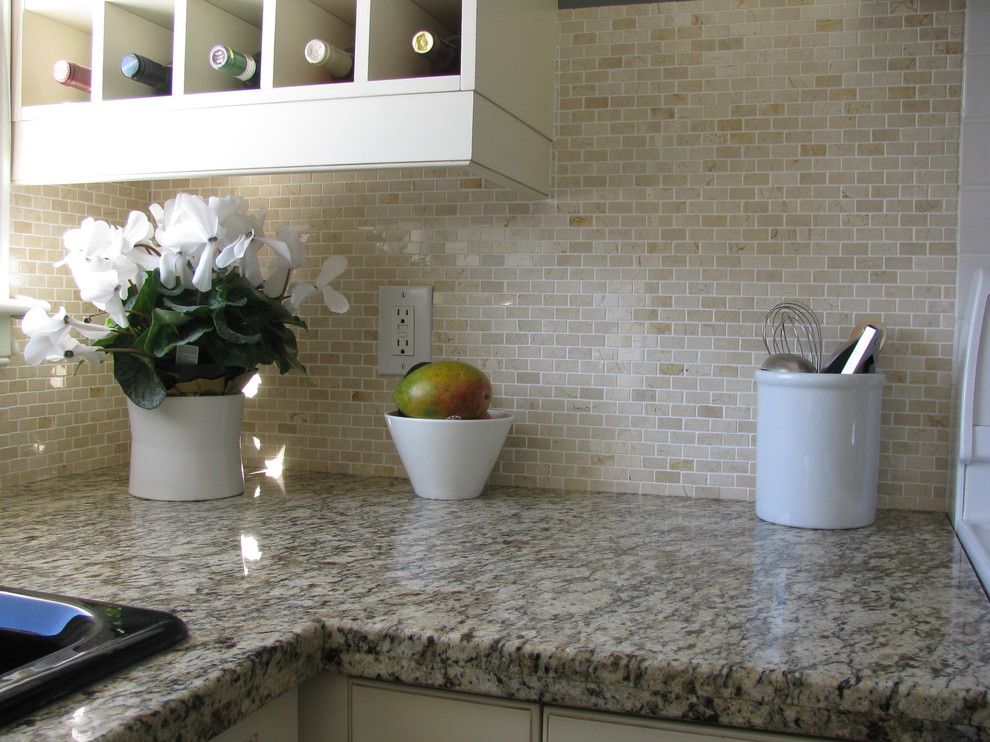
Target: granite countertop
(668,607)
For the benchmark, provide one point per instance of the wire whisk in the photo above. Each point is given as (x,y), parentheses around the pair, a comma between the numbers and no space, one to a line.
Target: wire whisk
(791,327)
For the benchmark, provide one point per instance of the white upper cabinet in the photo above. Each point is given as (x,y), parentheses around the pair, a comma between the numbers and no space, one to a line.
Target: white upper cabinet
(492,113)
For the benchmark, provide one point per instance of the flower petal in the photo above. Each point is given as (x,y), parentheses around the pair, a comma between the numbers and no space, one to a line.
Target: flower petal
(277,279)
(332,267)
(138,228)
(37,322)
(335,301)
(203,277)
(91,238)
(88,329)
(91,353)
(300,293)
(49,346)
(173,269)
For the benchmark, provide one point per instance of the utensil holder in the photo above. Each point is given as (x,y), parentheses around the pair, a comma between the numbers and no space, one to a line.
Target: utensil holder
(817,448)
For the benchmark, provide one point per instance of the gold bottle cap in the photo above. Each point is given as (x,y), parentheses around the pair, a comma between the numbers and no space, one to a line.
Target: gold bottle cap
(422,42)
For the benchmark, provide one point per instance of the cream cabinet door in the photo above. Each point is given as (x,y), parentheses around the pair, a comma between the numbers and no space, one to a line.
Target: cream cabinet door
(337,708)
(385,712)
(276,721)
(574,725)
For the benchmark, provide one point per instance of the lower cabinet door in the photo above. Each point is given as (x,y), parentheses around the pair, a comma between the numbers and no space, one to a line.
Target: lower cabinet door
(384,712)
(575,725)
(276,721)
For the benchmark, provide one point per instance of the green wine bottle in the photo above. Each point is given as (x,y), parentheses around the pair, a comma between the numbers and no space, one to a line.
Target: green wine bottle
(245,67)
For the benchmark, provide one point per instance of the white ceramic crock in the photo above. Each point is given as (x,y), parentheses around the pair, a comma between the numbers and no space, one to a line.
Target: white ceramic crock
(188,448)
(817,448)
(449,459)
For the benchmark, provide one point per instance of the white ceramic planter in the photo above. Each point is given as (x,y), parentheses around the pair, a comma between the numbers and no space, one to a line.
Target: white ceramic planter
(449,459)
(817,448)
(188,448)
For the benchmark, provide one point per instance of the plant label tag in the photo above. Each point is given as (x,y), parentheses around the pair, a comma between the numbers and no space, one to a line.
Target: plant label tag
(186,355)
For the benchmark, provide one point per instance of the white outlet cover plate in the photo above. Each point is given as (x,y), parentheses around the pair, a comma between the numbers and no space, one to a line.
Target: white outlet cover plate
(393,360)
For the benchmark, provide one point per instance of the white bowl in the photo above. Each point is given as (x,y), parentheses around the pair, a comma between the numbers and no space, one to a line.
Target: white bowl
(449,459)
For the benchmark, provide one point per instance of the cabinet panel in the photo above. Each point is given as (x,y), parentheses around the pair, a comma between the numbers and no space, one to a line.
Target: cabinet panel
(50,39)
(260,138)
(204,25)
(508,51)
(276,720)
(292,24)
(394,113)
(127,32)
(384,713)
(323,708)
(575,725)
(392,24)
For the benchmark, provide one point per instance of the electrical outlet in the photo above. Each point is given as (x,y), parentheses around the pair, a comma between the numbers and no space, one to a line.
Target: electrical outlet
(405,328)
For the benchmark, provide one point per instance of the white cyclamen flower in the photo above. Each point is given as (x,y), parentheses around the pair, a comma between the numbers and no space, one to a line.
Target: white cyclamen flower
(92,239)
(243,255)
(100,285)
(332,268)
(48,337)
(201,230)
(335,301)
(96,247)
(173,268)
(287,245)
(88,329)
(134,238)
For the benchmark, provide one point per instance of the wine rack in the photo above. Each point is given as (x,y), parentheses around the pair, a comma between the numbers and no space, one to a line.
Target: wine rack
(493,114)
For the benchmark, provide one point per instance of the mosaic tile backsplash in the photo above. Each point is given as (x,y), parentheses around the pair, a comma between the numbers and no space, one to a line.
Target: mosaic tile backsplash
(711,157)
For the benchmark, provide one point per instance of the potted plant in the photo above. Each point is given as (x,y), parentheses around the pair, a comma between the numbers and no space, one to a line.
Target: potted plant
(188,315)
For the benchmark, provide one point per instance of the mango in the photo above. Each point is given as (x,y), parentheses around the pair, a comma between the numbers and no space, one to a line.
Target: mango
(444,389)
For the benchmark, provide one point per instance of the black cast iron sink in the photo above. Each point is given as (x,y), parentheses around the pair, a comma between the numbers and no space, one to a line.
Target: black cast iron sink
(51,645)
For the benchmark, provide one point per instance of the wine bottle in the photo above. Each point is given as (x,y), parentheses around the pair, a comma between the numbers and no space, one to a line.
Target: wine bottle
(155,75)
(244,67)
(444,55)
(72,75)
(338,63)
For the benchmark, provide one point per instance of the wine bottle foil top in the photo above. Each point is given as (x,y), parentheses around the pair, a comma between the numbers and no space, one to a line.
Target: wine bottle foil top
(240,65)
(316,51)
(130,64)
(339,64)
(220,56)
(72,75)
(423,42)
(61,71)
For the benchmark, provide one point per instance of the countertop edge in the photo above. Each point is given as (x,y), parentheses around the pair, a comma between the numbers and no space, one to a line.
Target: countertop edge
(232,692)
(691,693)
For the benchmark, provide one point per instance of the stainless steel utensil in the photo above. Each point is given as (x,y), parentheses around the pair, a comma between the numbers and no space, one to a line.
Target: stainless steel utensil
(790,327)
(788,362)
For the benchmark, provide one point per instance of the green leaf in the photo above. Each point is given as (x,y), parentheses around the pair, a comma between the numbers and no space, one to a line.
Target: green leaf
(283,343)
(161,319)
(225,295)
(227,354)
(137,377)
(223,323)
(143,301)
(170,337)
(164,290)
(167,317)
(178,305)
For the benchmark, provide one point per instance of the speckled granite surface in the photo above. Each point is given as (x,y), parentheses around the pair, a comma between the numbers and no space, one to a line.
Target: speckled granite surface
(667,607)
